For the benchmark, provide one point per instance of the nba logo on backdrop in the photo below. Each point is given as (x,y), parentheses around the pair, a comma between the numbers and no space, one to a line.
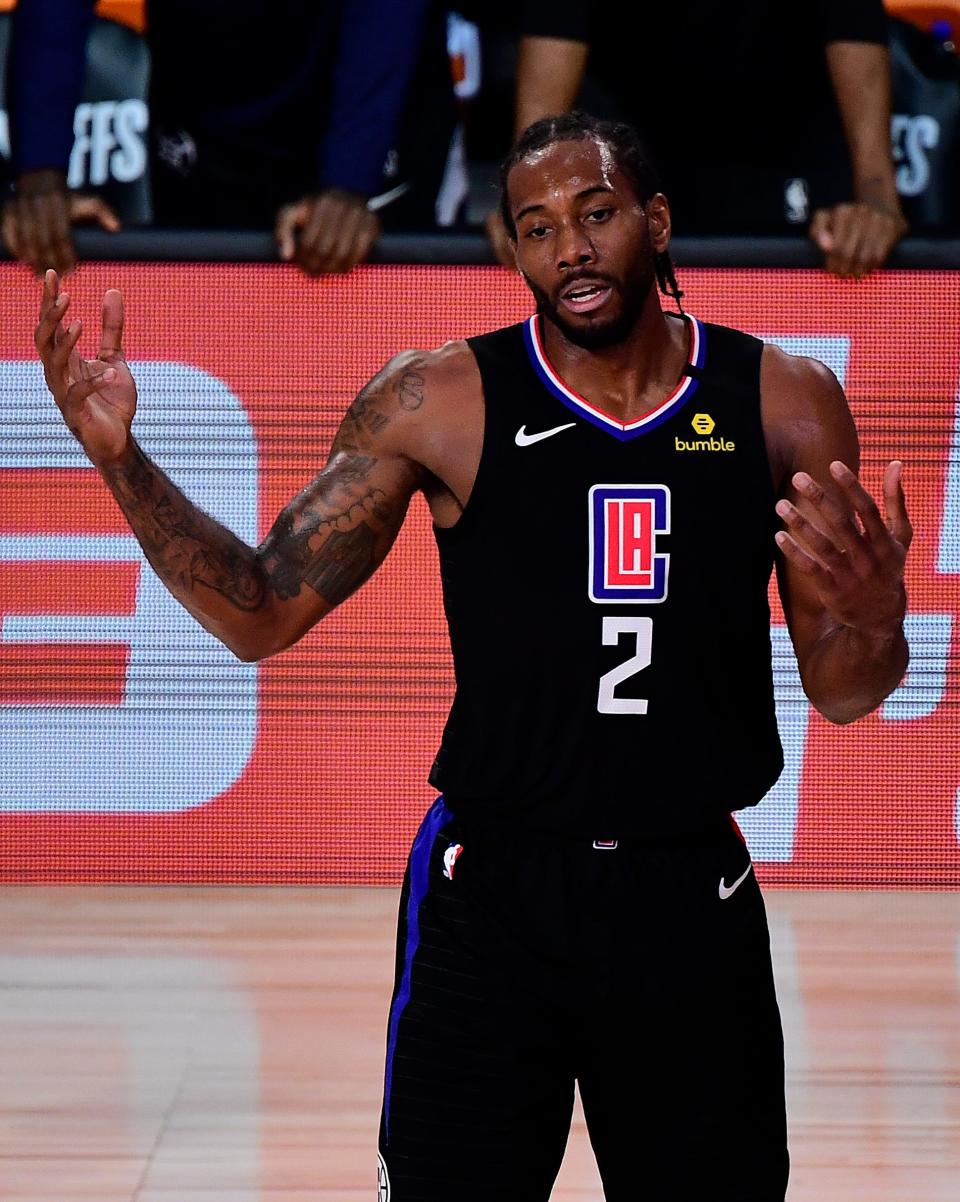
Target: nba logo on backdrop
(625,521)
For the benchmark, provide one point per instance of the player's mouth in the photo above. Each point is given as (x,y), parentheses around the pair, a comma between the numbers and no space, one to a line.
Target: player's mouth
(585,295)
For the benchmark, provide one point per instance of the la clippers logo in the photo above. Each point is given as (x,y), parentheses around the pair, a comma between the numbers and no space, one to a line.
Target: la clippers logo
(625,520)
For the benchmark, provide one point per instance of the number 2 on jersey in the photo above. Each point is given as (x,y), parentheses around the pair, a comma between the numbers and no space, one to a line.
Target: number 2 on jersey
(613,628)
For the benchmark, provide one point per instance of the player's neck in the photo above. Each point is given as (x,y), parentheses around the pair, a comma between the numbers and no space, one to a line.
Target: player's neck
(634,375)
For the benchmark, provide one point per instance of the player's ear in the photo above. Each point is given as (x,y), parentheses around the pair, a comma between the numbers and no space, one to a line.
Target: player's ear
(658,222)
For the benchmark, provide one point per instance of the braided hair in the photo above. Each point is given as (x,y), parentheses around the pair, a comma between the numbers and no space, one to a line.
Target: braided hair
(628,153)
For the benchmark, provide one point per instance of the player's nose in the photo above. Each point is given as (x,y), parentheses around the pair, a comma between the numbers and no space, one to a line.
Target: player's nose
(574,248)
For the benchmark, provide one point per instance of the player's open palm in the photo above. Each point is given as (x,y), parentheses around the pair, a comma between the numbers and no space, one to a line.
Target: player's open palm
(854,558)
(97,397)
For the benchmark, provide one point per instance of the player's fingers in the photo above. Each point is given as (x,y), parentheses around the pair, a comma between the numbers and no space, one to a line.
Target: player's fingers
(111,337)
(73,404)
(895,504)
(838,517)
(61,332)
(80,390)
(815,542)
(865,506)
(49,291)
(74,365)
(52,309)
(56,358)
(60,358)
(798,557)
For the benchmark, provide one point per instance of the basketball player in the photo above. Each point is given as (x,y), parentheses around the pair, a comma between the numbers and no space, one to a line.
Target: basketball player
(606,481)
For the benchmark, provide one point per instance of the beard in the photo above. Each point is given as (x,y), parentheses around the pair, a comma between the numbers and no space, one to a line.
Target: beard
(602,331)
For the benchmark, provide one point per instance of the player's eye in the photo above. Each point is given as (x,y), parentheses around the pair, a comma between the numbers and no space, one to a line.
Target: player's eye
(536,231)
(599,215)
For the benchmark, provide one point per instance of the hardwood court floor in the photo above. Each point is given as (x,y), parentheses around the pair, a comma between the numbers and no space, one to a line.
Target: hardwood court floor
(226,1045)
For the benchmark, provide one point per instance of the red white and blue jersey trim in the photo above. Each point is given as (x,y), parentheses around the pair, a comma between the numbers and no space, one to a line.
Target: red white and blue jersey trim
(604,421)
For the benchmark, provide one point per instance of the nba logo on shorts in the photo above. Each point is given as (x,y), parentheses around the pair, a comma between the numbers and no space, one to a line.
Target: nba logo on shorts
(383,1181)
(450,857)
(625,520)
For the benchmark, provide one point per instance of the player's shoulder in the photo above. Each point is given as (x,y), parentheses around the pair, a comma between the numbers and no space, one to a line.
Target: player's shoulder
(805,413)
(798,383)
(447,367)
(412,400)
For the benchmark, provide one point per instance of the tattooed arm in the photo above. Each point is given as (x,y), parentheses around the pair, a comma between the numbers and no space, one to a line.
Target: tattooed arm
(324,544)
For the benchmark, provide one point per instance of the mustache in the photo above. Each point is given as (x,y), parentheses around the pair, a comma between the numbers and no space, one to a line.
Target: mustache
(580,277)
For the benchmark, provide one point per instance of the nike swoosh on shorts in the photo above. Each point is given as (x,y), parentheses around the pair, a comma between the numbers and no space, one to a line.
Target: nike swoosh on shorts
(726,890)
(523,439)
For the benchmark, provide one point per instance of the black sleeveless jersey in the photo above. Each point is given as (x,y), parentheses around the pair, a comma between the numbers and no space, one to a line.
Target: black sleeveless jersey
(606,593)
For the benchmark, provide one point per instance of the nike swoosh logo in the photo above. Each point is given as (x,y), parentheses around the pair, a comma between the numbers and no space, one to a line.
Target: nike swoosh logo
(527,440)
(727,890)
(385,198)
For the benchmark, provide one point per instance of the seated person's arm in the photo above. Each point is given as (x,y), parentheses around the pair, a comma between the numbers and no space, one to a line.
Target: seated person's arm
(332,229)
(549,74)
(858,236)
(551,60)
(46,73)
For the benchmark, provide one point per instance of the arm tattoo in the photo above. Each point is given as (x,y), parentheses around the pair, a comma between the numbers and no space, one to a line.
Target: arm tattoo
(356,469)
(349,558)
(334,535)
(410,390)
(366,416)
(333,551)
(331,538)
(364,413)
(185,547)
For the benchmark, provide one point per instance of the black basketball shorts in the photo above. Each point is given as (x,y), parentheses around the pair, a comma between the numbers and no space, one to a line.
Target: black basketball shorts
(526,963)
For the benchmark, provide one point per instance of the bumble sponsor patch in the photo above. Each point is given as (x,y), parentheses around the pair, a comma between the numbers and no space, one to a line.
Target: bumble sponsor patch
(703,424)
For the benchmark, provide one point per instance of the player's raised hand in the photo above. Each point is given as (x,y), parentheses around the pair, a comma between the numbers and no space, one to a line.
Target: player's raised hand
(97,397)
(854,557)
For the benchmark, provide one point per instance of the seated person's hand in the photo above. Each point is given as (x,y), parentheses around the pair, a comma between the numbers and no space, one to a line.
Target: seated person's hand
(330,231)
(37,222)
(856,238)
(499,241)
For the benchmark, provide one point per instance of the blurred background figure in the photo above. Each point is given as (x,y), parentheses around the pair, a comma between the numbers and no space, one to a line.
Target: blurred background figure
(324,121)
(90,163)
(925,66)
(764,119)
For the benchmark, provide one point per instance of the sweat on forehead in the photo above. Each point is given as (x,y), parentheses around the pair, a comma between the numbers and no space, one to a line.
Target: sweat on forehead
(618,145)
(535,157)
